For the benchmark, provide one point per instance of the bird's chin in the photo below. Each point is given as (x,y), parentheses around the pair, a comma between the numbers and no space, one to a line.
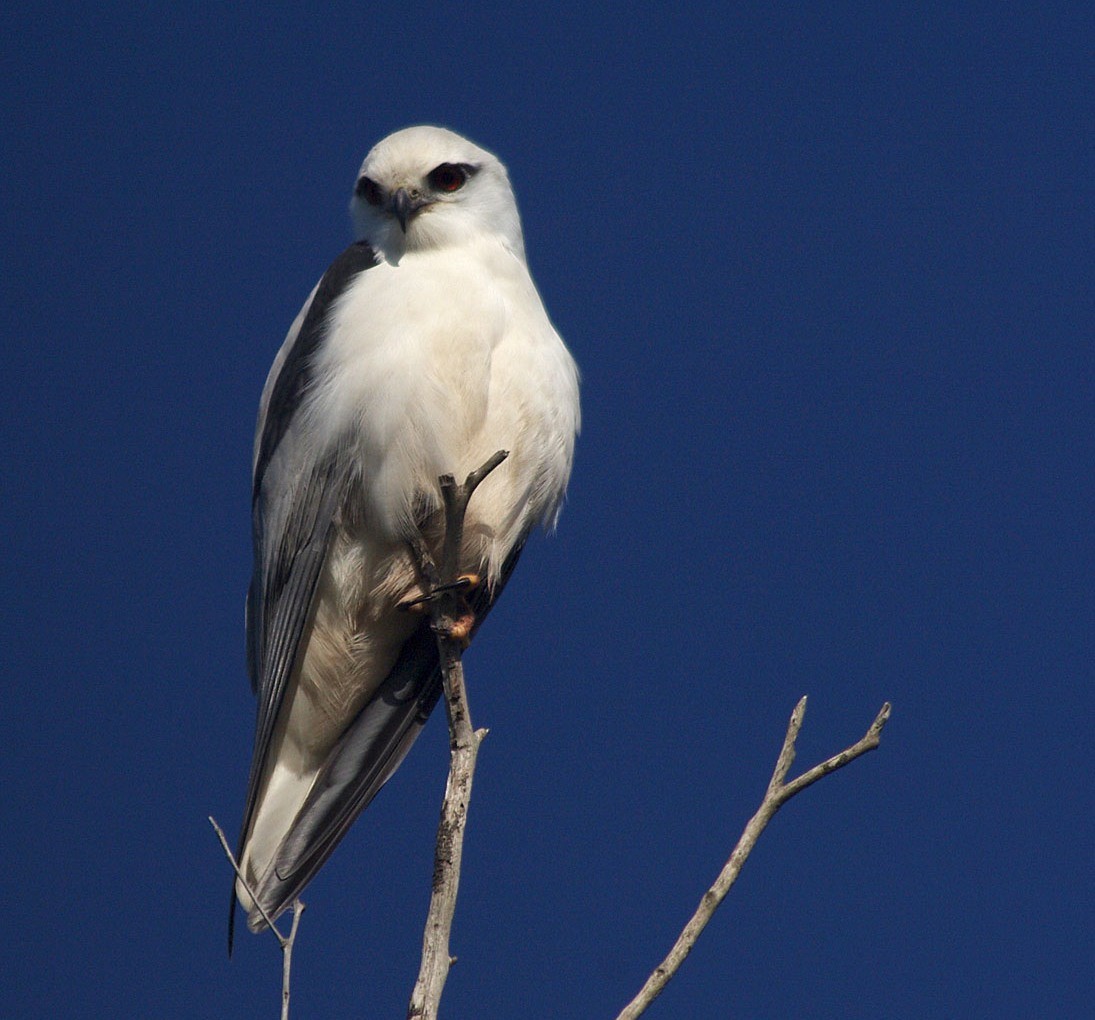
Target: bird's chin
(391,245)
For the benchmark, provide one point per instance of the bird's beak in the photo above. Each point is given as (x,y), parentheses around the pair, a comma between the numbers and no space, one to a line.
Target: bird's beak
(403,205)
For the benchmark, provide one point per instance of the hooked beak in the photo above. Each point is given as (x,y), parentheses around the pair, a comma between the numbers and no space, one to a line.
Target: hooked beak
(404,206)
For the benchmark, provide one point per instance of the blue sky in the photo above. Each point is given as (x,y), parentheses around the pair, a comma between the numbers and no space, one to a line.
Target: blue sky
(827,275)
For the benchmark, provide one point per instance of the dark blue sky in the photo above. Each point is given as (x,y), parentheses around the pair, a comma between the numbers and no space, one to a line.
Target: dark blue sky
(827,275)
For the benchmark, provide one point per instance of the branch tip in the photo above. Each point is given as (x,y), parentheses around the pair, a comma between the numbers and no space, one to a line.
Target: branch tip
(777,794)
(881,719)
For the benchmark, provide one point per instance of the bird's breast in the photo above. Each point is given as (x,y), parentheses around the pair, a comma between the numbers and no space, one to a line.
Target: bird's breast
(431,366)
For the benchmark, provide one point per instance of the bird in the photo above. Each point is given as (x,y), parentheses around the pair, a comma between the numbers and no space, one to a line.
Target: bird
(422,350)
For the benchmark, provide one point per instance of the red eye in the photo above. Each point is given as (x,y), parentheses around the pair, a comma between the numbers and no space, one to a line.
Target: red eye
(370,191)
(449,176)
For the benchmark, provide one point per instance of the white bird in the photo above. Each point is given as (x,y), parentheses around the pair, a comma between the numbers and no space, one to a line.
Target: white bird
(422,350)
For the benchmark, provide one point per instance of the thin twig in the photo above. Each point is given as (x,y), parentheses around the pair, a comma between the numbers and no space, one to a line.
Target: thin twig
(287,958)
(246,885)
(446,607)
(286,942)
(777,795)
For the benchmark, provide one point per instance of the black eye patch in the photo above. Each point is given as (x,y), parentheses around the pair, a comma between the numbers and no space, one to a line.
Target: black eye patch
(369,190)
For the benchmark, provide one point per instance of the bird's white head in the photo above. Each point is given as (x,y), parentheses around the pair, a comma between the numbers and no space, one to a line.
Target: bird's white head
(428,188)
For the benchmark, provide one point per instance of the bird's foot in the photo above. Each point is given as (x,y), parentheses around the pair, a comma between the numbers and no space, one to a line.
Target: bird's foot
(457,626)
(462,625)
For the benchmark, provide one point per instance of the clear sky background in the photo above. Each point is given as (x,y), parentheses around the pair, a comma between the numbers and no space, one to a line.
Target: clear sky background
(827,272)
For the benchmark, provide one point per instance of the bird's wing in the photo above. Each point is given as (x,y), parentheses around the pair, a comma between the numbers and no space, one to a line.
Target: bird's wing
(295,497)
(364,758)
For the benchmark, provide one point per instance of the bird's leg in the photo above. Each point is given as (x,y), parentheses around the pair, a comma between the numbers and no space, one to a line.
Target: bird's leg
(427,571)
(447,588)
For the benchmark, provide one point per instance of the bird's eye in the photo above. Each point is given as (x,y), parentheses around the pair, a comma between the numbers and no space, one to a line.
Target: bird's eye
(449,176)
(369,190)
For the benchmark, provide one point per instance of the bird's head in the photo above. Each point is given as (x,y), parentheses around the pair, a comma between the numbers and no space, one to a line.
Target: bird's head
(428,188)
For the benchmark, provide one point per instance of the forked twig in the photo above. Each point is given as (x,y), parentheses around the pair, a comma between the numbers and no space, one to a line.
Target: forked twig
(446,607)
(777,795)
(286,942)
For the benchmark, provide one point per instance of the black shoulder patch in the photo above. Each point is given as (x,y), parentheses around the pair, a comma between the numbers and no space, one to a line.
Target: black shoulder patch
(295,374)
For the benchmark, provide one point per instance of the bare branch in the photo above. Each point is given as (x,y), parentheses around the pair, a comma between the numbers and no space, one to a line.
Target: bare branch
(448,854)
(871,739)
(787,752)
(448,613)
(777,795)
(287,957)
(456,505)
(286,942)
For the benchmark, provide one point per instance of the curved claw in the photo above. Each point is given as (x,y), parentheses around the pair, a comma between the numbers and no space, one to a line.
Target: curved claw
(463,583)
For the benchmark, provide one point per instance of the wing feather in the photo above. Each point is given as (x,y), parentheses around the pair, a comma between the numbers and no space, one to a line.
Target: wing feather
(295,498)
(363,760)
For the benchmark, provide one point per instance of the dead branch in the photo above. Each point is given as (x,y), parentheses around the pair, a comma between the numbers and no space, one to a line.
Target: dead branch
(449,618)
(776,796)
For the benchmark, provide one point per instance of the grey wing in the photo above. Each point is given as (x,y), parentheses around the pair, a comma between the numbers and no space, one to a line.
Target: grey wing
(365,757)
(295,497)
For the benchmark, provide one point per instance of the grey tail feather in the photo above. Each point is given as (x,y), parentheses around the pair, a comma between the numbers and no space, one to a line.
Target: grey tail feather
(364,758)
